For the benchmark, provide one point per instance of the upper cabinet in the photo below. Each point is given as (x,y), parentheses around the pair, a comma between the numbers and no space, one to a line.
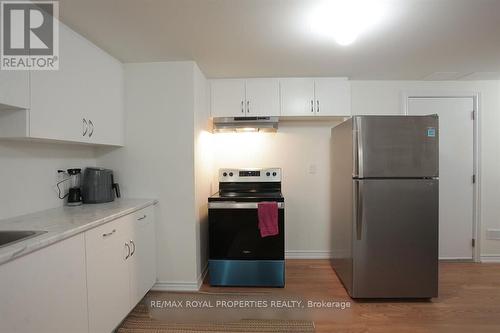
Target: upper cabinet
(281,97)
(315,97)
(228,98)
(14,90)
(297,97)
(263,97)
(81,102)
(245,98)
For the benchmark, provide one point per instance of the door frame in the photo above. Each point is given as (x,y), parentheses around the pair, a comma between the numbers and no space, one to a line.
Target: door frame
(476,100)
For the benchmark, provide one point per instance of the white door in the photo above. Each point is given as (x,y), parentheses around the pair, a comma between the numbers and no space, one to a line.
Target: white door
(142,263)
(45,291)
(14,89)
(108,274)
(228,98)
(105,94)
(332,97)
(58,98)
(297,97)
(262,97)
(456,168)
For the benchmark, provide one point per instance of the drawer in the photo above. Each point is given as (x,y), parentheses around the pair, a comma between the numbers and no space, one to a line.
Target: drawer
(145,215)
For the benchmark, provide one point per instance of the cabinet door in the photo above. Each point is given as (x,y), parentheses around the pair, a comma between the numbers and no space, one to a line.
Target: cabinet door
(142,263)
(107,274)
(106,95)
(83,100)
(228,98)
(14,89)
(297,97)
(59,101)
(45,291)
(332,97)
(262,97)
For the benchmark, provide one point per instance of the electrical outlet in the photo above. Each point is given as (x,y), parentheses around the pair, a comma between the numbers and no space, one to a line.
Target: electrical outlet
(493,234)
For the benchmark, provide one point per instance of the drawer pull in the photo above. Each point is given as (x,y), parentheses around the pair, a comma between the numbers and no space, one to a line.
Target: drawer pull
(142,218)
(133,249)
(128,251)
(109,233)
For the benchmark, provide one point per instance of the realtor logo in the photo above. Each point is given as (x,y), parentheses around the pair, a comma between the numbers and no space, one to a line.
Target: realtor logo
(29,35)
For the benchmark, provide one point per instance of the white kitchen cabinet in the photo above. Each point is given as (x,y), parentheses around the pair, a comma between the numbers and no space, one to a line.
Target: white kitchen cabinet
(315,97)
(228,98)
(245,98)
(58,98)
(14,90)
(81,102)
(142,264)
(297,97)
(121,267)
(45,291)
(108,249)
(332,97)
(262,97)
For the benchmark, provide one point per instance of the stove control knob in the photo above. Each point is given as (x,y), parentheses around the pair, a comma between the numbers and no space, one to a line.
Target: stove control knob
(268,173)
(274,174)
(230,174)
(225,174)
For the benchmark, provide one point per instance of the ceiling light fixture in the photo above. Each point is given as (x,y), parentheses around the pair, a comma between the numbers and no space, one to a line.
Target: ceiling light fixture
(345,20)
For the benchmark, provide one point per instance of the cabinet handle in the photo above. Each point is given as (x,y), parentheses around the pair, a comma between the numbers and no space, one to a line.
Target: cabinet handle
(142,218)
(248,106)
(85,127)
(91,124)
(317,105)
(133,244)
(242,107)
(128,251)
(312,106)
(109,233)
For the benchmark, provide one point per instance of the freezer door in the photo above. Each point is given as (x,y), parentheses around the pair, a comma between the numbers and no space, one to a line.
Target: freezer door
(396,146)
(395,238)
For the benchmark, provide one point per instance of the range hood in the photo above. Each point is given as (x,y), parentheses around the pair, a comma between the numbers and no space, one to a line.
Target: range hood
(245,124)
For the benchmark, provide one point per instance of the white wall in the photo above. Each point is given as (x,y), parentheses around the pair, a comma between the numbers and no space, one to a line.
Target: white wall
(302,150)
(386,97)
(158,161)
(203,166)
(28,173)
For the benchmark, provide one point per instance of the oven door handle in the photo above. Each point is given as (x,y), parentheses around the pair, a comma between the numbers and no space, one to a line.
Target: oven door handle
(237,205)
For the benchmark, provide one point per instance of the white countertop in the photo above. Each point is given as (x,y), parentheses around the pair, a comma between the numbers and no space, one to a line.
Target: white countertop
(64,222)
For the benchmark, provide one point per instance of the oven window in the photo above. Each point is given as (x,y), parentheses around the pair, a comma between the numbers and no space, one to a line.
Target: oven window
(234,234)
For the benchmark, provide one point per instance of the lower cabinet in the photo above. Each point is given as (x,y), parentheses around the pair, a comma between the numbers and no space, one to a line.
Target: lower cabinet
(45,291)
(121,268)
(85,284)
(142,265)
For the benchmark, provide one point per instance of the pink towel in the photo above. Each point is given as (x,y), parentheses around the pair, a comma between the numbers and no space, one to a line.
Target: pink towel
(268,218)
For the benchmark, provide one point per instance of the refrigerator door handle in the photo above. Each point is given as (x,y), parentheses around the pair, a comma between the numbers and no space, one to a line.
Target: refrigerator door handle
(355,165)
(359,148)
(359,210)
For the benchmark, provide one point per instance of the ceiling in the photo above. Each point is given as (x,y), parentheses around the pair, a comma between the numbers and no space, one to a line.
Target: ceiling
(420,39)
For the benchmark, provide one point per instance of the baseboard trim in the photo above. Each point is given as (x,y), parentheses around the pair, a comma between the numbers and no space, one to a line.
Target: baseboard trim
(181,285)
(202,276)
(490,259)
(175,286)
(307,254)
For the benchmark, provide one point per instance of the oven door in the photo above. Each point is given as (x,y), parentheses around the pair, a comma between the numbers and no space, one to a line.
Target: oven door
(234,232)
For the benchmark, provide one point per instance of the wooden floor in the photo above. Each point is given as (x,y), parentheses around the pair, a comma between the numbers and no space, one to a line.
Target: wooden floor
(469,301)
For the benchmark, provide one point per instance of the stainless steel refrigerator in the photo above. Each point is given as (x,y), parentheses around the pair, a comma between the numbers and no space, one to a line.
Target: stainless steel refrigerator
(385,206)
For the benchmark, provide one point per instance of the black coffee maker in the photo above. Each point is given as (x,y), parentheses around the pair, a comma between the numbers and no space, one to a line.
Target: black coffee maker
(75,192)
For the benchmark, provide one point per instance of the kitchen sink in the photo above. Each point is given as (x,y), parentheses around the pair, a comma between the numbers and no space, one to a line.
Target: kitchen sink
(8,237)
